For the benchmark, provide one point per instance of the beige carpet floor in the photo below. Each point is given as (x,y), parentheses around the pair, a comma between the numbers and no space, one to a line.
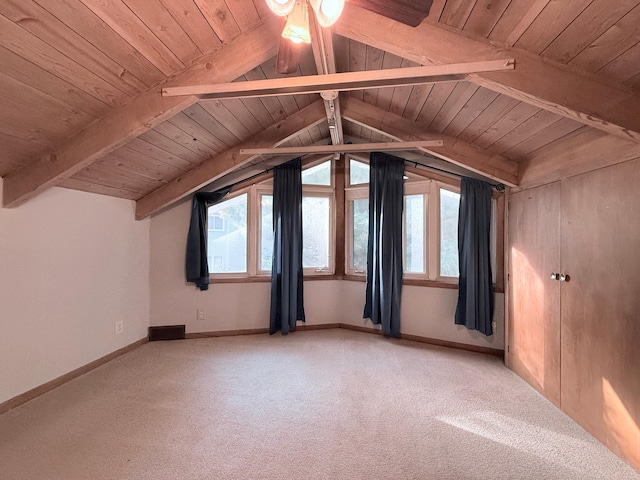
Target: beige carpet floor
(331,404)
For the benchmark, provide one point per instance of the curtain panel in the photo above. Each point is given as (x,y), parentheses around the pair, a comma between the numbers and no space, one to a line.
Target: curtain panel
(196,264)
(475,290)
(287,303)
(384,246)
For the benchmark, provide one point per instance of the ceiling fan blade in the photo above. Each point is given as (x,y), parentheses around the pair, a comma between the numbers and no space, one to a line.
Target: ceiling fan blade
(288,57)
(409,12)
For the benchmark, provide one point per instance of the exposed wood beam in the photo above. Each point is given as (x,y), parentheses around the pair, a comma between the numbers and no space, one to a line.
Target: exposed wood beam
(359,147)
(390,77)
(324,56)
(140,115)
(453,150)
(537,81)
(219,165)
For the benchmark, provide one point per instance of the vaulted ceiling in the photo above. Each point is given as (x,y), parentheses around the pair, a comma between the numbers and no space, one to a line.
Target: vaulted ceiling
(81,81)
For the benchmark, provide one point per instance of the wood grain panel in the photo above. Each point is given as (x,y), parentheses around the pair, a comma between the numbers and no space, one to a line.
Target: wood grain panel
(21,42)
(456,12)
(224,137)
(485,15)
(490,115)
(217,13)
(459,97)
(240,111)
(37,77)
(385,95)
(191,20)
(515,20)
(601,306)
(126,24)
(15,151)
(477,104)
(139,146)
(539,121)
(158,140)
(518,115)
(584,150)
(156,17)
(84,186)
(40,23)
(611,44)
(437,98)
(547,135)
(374,60)
(551,22)
(84,22)
(625,67)
(592,22)
(534,308)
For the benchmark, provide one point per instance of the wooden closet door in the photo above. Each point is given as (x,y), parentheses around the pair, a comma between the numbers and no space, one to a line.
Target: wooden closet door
(534,305)
(601,305)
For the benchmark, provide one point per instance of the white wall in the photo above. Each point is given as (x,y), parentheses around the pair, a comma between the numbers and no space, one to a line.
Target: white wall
(71,264)
(427,312)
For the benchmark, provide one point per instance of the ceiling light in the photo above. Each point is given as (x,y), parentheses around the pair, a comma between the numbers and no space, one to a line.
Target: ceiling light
(327,11)
(281,7)
(297,26)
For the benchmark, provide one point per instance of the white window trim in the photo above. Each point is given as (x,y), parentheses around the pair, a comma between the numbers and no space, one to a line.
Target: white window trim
(436,228)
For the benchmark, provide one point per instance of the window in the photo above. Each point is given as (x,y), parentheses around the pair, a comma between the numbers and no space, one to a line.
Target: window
(430,226)
(449,207)
(240,242)
(227,247)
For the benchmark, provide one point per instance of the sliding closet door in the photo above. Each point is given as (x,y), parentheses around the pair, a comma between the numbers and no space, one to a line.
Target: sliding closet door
(601,305)
(534,305)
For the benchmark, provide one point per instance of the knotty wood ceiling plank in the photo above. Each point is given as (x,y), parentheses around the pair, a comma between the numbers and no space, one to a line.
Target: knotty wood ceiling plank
(10,126)
(31,74)
(156,17)
(224,137)
(127,24)
(75,184)
(625,67)
(401,95)
(151,150)
(459,97)
(616,40)
(30,47)
(40,23)
(480,101)
(219,165)
(373,61)
(14,152)
(167,144)
(456,12)
(218,15)
(258,110)
(453,150)
(191,20)
(143,165)
(88,25)
(385,95)
(357,62)
(534,124)
(417,98)
(518,115)
(592,22)
(239,110)
(516,19)
(540,82)
(244,13)
(143,113)
(498,108)
(217,110)
(184,139)
(553,132)
(190,121)
(484,16)
(437,98)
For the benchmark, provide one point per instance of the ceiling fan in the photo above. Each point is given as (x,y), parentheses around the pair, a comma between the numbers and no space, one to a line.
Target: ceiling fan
(327,12)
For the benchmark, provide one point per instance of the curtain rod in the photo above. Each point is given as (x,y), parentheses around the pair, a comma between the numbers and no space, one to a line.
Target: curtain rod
(498,186)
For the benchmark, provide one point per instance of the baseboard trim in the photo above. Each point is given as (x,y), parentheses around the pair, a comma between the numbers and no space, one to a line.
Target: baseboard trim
(254,331)
(431,341)
(56,382)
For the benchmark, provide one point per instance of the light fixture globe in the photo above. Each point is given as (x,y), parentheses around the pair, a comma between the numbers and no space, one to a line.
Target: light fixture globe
(327,11)
(297,26)
(281,7)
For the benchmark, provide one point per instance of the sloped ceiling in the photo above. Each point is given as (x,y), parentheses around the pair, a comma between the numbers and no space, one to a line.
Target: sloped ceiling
(80,85)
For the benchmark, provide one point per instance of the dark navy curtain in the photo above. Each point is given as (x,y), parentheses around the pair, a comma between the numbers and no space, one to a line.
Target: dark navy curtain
(196,265)
(475,291)
(286,272)
(384,248)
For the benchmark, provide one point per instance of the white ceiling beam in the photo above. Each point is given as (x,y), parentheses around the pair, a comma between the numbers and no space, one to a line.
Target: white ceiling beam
(537,81)
(390,77)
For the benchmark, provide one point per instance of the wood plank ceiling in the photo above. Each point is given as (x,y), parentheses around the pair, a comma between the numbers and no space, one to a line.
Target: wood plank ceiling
(74,70)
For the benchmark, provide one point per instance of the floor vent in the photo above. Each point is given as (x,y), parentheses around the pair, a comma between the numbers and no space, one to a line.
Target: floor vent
(166,332)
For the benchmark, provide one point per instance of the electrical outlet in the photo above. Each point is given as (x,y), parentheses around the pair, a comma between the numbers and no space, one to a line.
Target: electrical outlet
(119,327)
(200,314)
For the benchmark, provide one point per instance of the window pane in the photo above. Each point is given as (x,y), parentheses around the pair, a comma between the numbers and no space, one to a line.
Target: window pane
(360,234)
(414,234)
(315,232)
(449,206)
(358,172)
(266,232)
(318,175)
(227,248)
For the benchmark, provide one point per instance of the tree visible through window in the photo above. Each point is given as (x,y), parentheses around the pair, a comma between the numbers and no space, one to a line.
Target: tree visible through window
(227,247)
(449,207)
